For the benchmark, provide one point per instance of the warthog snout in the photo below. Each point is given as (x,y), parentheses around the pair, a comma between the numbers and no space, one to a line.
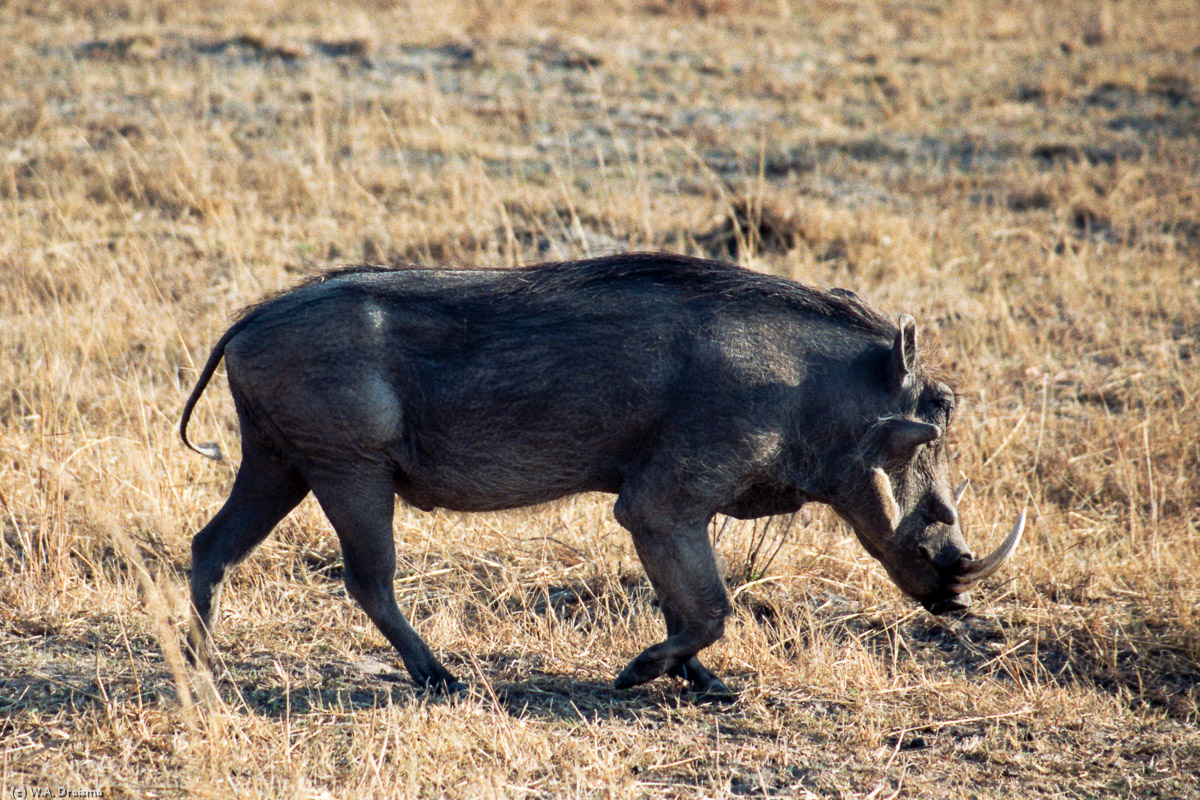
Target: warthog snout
(948,605)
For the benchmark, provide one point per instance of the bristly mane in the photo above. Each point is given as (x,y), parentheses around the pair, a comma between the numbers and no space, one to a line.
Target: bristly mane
(701,276)
(707,277)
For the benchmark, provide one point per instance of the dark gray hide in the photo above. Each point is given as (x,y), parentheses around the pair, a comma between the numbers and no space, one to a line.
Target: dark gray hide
(684,387)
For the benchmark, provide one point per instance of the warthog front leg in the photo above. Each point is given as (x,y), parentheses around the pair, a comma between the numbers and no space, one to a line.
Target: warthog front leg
(264,491)
(359,501)
(679,560)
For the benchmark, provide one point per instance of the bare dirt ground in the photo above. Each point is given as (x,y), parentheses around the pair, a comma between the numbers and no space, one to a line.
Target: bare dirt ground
(1024,178)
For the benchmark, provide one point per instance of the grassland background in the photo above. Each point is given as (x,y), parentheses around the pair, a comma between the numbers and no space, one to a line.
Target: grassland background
(1023,177)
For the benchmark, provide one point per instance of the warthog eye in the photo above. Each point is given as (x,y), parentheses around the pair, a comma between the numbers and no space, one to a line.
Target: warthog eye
(938,404)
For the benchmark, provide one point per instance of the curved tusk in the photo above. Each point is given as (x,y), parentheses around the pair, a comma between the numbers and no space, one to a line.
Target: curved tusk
(977,569)
(961,490)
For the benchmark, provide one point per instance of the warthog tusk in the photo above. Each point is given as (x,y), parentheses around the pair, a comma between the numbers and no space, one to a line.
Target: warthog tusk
(961,490)
(976,570)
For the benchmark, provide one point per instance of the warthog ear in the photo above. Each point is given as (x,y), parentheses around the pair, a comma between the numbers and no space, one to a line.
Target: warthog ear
(903,361)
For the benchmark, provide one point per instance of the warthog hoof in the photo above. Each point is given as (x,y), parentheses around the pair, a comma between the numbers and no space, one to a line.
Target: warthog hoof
(708,687)
(717,694)
(444,686)
(640,670)
(196,652)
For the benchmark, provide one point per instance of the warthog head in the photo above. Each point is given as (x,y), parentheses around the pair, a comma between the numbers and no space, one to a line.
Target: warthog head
(900,504)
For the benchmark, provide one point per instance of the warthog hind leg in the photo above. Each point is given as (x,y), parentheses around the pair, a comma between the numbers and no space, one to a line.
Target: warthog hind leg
(359,501)
(265,490)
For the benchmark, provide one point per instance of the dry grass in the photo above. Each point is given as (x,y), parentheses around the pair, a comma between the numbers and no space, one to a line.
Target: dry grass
(1022,177)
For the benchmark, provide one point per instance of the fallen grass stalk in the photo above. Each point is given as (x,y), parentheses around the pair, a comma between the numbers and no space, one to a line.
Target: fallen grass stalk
(960,721)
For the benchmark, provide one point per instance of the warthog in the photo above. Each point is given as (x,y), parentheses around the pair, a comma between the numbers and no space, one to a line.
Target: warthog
(685,387)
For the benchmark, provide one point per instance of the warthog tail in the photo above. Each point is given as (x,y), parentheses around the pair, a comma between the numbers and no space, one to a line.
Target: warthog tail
(208,449)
